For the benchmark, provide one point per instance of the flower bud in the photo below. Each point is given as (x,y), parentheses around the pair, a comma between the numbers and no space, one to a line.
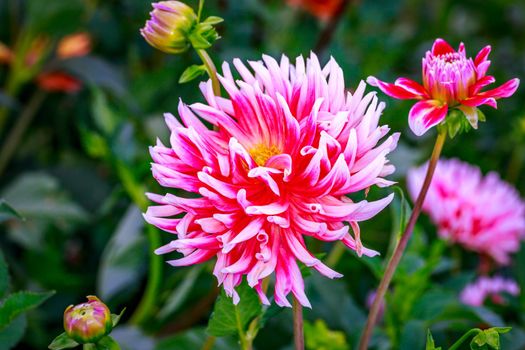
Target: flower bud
(169,27)
(87,322)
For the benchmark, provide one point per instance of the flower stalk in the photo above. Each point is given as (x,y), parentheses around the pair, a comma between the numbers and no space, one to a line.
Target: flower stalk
(401,246)
(298,326)
(21,125)
(211,70)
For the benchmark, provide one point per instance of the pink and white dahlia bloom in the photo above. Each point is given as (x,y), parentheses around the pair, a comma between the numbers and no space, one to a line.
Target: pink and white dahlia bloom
(475,294)
(288,143)
(450,80)
(481,213)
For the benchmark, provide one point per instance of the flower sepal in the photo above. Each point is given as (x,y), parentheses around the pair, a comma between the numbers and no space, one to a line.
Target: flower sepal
(205,34)
(455,123)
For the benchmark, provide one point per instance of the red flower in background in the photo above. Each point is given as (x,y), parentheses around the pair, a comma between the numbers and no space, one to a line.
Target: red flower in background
(58,82)
(450,80)
(323,9)
(74,45)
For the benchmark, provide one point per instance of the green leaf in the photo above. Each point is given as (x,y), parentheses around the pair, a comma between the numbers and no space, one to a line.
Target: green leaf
(230,319)
(194,338)
(431,345)
(107,343)
(179,295)
(63,341)
(488,339)
(20,302)
(192,72)
(13,333)
(115,319)
(7,212)
(122,261)
(105,118)
(213,20)
(319,336)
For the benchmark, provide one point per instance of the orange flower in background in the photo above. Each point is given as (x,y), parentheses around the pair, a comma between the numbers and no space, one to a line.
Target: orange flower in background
(75,45)
(58,82)
(6,55)
(323,9)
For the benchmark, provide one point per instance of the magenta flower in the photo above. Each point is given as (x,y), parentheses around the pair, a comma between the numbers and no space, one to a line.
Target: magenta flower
(481,213)
(87,322)
(475,294)
(450,81)
(289,142)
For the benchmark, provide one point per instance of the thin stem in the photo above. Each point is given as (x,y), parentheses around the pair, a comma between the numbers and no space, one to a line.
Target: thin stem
(398,252)
(15,135)
(298,329)
(209,343)
(199,13)
(212,71)
(245,343)
(465,336)
(329,30)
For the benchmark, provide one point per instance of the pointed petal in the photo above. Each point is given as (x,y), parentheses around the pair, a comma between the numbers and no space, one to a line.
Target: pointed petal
(503,91)
(403,91)
(426,114)
(441,47)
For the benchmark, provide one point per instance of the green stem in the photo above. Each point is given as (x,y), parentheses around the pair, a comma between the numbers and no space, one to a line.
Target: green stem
(398,252)
(466,336)
(298,328)
(335,254)
(245,343)
(147,304)
(208,344)
(20,127)
(199,12)
(212,71)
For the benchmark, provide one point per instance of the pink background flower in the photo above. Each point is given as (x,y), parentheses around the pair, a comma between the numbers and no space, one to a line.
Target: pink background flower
(481,213)
(476,293)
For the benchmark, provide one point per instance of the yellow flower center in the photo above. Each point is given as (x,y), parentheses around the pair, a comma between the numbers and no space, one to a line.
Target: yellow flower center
(261,153)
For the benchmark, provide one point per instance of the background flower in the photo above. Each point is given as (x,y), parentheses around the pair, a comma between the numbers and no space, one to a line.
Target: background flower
(485,287)
(290,144)
(323,9)
(481,213)
(450,80)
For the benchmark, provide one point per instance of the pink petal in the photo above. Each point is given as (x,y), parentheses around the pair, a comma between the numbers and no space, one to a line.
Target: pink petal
(406,90)
(503,91)
(441,47)
(426,114)
(482,55)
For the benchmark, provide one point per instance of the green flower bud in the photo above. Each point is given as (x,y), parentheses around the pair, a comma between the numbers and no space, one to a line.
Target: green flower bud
(170,26)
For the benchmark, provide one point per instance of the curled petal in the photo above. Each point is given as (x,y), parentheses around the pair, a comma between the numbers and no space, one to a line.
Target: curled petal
(426,114)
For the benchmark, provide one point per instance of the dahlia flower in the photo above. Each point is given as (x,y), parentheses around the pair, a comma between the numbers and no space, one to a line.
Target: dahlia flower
(322,9)
(289,142)
(482,213)
(475,294)
(88,322)
(450,81)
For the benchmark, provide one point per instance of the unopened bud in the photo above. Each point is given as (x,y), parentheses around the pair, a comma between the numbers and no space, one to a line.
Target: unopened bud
(170,26)
(87,322)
